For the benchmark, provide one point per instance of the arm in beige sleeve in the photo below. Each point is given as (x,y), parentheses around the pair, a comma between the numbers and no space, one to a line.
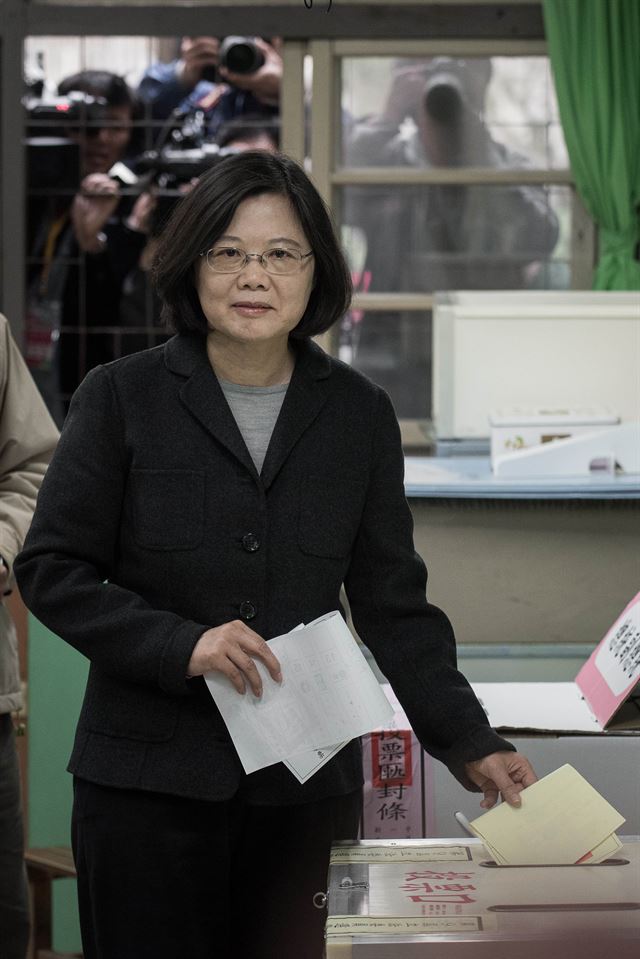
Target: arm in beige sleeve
(28,437)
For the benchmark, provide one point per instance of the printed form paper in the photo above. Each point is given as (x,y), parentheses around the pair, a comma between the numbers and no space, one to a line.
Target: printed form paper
(328,694)
(305,765)
(562,820)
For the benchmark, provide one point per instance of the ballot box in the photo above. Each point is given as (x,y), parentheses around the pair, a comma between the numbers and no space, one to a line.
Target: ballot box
(415,796)
(592,723)
(409,795)
(447,899)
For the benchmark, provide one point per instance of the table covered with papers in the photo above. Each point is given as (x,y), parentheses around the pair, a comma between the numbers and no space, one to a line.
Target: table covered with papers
(447,899)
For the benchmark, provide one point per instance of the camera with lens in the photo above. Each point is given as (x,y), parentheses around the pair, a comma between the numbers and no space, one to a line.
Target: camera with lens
(79,110)
(454,86)
(181,154)
(170,170)
(240,55)
(53,160)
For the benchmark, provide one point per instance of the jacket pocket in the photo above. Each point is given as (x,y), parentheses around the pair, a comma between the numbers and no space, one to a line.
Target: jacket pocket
(168,508)
(124,710)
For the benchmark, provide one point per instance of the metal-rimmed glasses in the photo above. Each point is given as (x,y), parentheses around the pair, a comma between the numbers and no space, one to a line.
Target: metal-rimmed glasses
(230,259)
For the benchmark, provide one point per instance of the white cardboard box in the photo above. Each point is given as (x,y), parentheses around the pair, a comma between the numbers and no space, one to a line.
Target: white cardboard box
(592,723)
(605,694)
(566,348)
(519,428)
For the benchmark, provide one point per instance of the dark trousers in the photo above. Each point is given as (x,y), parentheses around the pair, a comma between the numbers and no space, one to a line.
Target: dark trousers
(170,878)
(14,902)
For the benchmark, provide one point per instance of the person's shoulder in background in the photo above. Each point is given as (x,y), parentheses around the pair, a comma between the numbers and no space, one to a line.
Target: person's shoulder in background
(160,88)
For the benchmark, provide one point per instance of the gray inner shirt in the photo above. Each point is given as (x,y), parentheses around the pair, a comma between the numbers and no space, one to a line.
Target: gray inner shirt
(255,410)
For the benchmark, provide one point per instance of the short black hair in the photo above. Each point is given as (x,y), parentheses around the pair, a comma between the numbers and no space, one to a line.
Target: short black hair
(116,91)
(247,126)
(205,213)
(100,83)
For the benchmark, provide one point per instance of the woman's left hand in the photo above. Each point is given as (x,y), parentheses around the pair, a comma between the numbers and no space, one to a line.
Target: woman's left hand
(507,773)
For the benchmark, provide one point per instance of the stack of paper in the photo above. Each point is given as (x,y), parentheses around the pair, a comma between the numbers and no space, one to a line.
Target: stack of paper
(328,694)
(562,820)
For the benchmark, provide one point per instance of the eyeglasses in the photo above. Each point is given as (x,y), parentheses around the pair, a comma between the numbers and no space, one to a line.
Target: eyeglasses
(229,259)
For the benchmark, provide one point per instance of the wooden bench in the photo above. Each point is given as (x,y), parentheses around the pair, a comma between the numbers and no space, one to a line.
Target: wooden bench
(43,866)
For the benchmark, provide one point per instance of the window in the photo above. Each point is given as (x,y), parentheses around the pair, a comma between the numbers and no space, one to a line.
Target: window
(489,206)
(447,167)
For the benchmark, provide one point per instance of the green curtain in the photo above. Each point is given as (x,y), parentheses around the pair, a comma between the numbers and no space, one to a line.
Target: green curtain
(594,46)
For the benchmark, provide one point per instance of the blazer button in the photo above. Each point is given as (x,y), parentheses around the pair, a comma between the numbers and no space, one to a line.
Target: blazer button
(250,542)
(247,610)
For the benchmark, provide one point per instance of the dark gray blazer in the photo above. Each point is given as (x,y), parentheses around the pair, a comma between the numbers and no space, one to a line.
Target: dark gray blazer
(153,525)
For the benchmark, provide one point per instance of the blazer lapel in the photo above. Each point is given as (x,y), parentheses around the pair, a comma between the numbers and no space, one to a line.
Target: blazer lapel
(307,393)
(202,395)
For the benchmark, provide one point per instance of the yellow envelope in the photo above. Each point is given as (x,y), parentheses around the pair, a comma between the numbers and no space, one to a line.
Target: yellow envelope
(561,819)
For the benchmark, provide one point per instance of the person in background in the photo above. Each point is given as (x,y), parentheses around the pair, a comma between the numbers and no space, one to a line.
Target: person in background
(445,237)
(27,439)
(82,247)
(184,84)
(251,131)
(207,496)
(437,236)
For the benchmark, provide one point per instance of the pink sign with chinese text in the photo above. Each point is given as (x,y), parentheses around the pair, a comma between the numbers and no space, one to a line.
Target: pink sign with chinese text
(612,672)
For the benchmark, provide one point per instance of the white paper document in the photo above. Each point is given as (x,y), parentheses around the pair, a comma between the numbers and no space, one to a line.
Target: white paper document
(328,694)
(305,765)
(545,706)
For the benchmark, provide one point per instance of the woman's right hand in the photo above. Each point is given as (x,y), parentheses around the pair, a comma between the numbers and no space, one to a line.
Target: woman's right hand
(230,649)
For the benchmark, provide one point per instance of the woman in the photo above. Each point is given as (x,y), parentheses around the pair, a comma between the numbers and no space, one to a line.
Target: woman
(207,495)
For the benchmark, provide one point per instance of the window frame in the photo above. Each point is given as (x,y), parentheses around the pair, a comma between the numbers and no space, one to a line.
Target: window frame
(329,176)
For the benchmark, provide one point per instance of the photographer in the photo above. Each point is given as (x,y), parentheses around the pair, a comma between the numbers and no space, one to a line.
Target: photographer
(249,132)
(82,247)
(446,237)
(436,236)
(241,75)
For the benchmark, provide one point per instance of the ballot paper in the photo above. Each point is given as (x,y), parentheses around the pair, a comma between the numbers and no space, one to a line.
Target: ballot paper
(305,765)
(562,820)
(328,694)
